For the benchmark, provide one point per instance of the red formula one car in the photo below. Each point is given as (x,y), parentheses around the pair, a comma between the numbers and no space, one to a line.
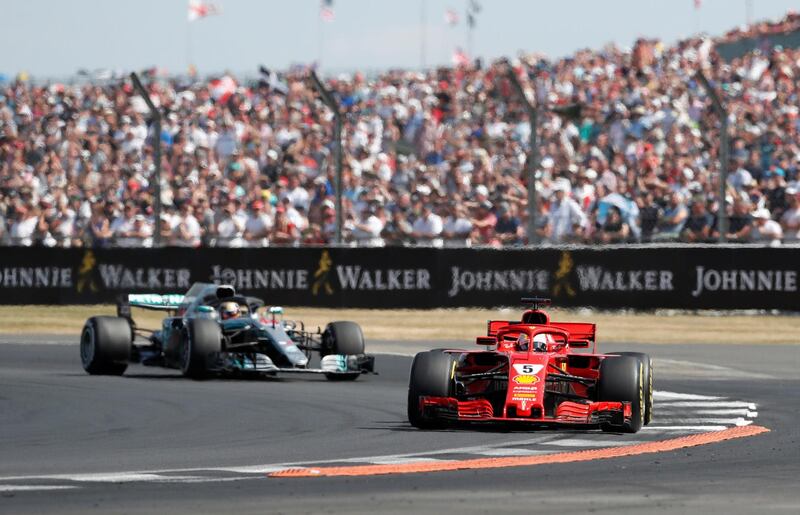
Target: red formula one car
(533,371)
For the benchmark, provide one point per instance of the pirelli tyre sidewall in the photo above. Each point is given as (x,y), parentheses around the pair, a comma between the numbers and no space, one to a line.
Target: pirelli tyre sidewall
(202,338)
(432,374)
(106,345)
(647,369)
(622,380)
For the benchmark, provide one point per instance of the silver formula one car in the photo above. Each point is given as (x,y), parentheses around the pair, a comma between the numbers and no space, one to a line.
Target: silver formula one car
(201,336)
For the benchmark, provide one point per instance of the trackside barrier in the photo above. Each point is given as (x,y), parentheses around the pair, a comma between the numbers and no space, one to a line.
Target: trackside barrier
(637,277)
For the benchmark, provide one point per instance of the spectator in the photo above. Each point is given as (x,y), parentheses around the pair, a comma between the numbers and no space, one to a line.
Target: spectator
(484,223)
(649,214)
(397,231)
(740,224)
(672,219)
(790,221)
(284,231)
(765,229)
(100,227)
(457,227)
(24,227)
(185,228)
(508,228)
(566,218)
(699,224)
(122,227)
(258,226)
(614,229)
(230,226)
(427,229)
(367,230)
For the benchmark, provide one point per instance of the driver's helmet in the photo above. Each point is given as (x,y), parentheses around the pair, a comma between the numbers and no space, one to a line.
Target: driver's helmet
(540,342)
(229,310)
(522,342)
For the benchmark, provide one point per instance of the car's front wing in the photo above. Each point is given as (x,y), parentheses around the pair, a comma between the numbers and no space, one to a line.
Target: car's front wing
(250,362)
(567,412)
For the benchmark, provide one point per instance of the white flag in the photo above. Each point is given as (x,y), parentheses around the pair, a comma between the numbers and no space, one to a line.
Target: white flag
(199,9)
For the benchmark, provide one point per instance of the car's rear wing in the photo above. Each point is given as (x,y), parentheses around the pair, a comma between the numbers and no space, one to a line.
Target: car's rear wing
(153,301)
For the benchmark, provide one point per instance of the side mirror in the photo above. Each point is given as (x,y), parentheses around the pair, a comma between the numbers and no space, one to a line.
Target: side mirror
(275,310)
(486,340)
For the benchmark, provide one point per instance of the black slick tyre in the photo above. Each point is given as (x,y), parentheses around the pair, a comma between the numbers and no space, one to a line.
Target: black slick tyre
(432,374)
(343,337)
(346,338)
(202,338)
(622,380)
(647,370)
(106,345)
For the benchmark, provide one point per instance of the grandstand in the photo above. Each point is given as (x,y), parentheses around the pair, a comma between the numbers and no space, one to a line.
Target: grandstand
(629,148)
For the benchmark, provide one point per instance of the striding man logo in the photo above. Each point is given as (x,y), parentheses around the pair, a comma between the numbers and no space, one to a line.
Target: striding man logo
(321,276)
(561,283)
(85,273)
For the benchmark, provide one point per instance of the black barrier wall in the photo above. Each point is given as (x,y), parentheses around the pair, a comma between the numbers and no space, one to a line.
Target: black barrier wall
(629,277)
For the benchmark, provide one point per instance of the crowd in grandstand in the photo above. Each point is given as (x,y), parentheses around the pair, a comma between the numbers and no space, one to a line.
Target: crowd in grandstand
(628,153)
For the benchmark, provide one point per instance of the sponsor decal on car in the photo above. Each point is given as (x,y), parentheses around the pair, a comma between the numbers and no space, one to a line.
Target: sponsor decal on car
(527,368)
(525,388)
(524,396)
(526,379)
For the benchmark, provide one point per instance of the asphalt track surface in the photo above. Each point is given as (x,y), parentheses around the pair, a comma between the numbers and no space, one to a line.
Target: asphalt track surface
(152,441)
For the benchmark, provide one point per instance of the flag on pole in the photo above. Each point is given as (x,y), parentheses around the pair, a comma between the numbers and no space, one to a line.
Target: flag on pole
(451,17)
(698,4)
(326,11)
(199,9)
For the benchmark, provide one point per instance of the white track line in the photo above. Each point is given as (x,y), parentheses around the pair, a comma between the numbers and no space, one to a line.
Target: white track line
(720,421)
(744,412)
(656,429)
(661,395)
(585,442)
(511,452)
(33,488)
(703,404)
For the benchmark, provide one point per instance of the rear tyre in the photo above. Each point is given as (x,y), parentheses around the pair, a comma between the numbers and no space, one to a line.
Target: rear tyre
(647,379)
(431,375)
(106,345)
(202,339)
(346,338)
(622,380)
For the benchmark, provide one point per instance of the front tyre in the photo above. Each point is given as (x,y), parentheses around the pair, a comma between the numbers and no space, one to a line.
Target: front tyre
(106,345)
(344,338)
(432,374)
(622,380)
(202,339)
(647,379)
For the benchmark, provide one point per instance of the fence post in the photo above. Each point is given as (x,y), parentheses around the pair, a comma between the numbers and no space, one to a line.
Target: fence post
(328,100)
(156,117)
(724,148)
(532,162)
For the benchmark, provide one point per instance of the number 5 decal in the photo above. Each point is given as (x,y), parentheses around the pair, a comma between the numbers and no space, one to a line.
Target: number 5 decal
(527,368)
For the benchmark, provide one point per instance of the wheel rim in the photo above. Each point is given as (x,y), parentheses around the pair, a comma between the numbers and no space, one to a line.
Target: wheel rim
(88,346)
